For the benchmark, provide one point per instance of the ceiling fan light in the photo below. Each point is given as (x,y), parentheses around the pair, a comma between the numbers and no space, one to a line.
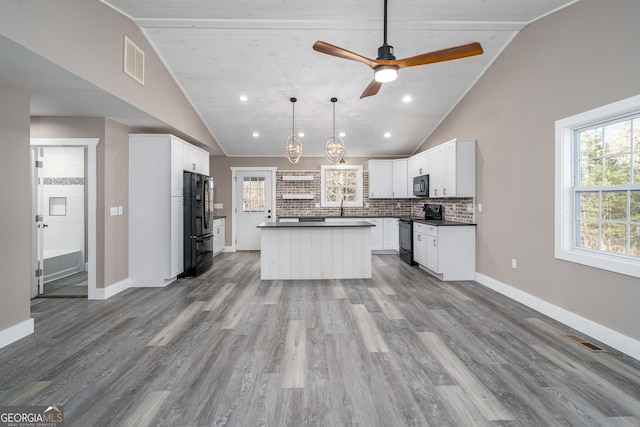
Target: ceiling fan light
(385,73)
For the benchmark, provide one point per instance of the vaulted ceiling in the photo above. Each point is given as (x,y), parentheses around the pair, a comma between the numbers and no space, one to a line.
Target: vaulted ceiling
(218,50)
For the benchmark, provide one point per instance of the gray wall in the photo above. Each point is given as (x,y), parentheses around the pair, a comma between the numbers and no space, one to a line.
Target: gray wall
(579,58)
(15,208)
(87,38)
(112,250)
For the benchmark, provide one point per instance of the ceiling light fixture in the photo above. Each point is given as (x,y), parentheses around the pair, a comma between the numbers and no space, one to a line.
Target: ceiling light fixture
(301,134)
(406,98)
(342,134)
(256,134)
(334,147)
(243,98)
(293,147)
(387,134)
(385,73)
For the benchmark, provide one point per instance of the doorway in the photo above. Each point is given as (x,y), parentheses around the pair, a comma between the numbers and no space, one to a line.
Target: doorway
(60,221)
(253,203)
(64,213)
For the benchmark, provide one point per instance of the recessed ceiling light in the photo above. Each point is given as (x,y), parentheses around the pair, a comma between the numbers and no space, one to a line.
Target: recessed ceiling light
(406,98)
(256,134)
(342,134)
(387,134)
(243,98)
(301,134)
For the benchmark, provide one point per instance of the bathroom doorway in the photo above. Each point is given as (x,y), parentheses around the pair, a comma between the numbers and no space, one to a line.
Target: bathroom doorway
(63,202)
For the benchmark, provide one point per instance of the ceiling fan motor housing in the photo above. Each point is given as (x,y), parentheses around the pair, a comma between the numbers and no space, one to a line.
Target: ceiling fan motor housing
(386,52)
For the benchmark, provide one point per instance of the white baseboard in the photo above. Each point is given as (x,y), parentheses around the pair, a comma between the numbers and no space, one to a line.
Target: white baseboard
(109,291)
(601,333)
(16,332)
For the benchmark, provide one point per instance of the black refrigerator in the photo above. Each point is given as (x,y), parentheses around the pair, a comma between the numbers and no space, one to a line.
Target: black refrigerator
(198,224)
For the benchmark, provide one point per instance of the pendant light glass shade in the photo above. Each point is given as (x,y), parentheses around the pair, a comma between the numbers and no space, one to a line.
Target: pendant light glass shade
(334,147)
(293,147)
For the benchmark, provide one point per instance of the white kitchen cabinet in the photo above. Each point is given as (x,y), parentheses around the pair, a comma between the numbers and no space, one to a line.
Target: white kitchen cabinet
(195,159)
(417,165)
(453,169)
(155,209)
(448,252)
(176,240)
(387,179)
(377,233)
(218,235)
(380,179)
(399,181)
(391,236)
(419,245)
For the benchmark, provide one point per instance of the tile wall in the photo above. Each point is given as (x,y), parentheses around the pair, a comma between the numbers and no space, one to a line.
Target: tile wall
(455,209)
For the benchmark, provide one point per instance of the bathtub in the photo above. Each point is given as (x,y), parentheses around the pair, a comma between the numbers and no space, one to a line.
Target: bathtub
(61,263)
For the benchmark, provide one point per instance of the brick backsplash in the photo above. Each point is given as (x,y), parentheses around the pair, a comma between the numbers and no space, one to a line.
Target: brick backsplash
(455,209)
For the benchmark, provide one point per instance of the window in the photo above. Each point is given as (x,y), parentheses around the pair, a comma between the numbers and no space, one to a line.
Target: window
(341,184)
(253,191)
(598,187)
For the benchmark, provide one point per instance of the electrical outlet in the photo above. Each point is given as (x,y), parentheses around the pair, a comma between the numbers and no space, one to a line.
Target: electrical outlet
(366,205)
(479,207)
(119,210)
(398,204)
(469,207)
(514,263)
(317,205)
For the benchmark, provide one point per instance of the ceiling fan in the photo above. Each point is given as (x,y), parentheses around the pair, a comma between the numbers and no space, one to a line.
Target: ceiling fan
(385,66)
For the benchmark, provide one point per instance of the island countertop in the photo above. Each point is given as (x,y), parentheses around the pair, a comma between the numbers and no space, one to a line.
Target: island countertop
(315,224)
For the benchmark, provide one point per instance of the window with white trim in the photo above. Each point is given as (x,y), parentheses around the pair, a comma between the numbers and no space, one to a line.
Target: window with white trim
(598,187)
(341,185)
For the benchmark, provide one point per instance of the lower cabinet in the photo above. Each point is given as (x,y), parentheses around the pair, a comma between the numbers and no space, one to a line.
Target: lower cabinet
(218,235)
(448,252)
(391,237)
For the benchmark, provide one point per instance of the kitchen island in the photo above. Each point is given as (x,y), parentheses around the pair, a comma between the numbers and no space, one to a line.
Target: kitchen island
(315,250)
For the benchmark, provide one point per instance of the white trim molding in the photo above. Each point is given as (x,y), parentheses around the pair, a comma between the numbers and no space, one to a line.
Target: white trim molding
(111,290)
(16,332)
(565,246)
(588,327)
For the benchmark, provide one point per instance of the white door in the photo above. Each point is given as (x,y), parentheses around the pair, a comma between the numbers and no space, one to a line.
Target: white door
(37,207)
(253,206)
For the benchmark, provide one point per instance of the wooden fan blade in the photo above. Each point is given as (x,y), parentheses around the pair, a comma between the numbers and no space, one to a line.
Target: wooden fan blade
(457,52)
(372,89)
(329,49)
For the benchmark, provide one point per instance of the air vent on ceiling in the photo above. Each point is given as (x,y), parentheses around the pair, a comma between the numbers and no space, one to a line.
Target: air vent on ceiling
(133,60)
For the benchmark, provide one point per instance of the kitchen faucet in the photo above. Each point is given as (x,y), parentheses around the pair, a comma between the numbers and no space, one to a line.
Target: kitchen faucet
(342,207)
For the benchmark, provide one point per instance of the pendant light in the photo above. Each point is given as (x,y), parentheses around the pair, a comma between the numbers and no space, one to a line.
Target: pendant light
(334,147)
(293,147)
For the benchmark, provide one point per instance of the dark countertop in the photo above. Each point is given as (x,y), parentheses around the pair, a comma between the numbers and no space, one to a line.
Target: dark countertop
(219,216)
(316,224)
(435,222)
(338,216)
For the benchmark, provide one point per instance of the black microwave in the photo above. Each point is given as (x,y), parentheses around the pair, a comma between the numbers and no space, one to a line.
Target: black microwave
(421,185)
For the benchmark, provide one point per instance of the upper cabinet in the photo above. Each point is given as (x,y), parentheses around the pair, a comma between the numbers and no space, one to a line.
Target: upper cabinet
(387,179)
(417,165)
(452,169)
(399,181)
(195,159)
(380,179)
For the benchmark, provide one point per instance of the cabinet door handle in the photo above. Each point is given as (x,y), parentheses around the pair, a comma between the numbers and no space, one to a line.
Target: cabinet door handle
(434,243)
(435,191)
(444,191)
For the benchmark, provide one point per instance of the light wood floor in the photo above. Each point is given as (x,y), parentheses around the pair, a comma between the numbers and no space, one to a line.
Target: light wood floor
(229,349)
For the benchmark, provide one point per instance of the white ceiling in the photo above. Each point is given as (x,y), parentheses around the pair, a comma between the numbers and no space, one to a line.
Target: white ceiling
(220,49)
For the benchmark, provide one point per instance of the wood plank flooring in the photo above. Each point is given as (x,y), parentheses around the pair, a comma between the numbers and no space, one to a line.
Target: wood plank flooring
(400,349)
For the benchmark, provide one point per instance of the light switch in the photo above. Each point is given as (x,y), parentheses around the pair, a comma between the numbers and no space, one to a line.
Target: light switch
(119,210)
(217,206)
(113,210)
